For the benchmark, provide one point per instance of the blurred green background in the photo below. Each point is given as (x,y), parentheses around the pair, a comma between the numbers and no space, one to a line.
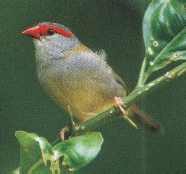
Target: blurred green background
(113,25)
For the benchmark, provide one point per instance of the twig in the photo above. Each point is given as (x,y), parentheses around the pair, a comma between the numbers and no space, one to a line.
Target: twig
(142,76)
(134,96)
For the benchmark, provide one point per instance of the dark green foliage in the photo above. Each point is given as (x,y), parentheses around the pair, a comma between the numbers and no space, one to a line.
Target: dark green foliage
(164,33)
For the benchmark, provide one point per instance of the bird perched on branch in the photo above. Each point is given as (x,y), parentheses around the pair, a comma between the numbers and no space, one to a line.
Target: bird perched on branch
(77,78)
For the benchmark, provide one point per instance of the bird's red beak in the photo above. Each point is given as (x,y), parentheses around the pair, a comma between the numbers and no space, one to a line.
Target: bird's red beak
(33,32)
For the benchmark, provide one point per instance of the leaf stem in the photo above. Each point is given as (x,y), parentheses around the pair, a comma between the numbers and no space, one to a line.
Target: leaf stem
(142,76)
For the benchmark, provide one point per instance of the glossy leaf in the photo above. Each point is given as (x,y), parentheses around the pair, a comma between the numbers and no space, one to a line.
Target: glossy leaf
(30,153)
(39,157)
(164,32)
(79,151)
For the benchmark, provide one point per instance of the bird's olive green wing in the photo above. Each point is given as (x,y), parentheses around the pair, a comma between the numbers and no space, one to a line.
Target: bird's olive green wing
(102,54)
(120,80)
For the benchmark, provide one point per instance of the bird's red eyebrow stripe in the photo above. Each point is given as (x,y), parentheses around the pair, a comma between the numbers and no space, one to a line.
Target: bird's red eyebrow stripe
(56,29)
(62,32)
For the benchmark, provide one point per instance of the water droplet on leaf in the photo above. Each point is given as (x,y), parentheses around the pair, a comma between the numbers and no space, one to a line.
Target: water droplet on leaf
(155,43)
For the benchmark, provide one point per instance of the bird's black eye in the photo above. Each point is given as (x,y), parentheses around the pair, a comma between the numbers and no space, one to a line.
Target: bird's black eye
(50,31)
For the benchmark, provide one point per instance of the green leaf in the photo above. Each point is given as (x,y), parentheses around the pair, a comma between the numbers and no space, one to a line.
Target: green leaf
(79,151)
(31,150)
(164,33)
(37,153)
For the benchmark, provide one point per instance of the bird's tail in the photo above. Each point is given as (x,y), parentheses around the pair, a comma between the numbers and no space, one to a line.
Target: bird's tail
(141,118)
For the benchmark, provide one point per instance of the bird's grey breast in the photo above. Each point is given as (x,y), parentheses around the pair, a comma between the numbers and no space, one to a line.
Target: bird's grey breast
(83,71)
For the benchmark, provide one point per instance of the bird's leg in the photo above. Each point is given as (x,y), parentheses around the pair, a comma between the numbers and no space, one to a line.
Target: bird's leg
(66,131)
(119,103)
(71,117)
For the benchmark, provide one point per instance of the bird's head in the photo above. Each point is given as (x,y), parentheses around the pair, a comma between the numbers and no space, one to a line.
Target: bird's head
(51,39)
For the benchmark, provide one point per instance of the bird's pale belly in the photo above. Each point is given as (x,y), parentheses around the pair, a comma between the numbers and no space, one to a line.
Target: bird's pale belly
(82,101)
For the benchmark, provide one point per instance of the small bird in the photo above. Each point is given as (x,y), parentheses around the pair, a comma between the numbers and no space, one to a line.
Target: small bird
(77,78)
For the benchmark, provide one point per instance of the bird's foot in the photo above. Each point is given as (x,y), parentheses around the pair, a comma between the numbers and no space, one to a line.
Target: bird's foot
(64,133)
(120,104)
